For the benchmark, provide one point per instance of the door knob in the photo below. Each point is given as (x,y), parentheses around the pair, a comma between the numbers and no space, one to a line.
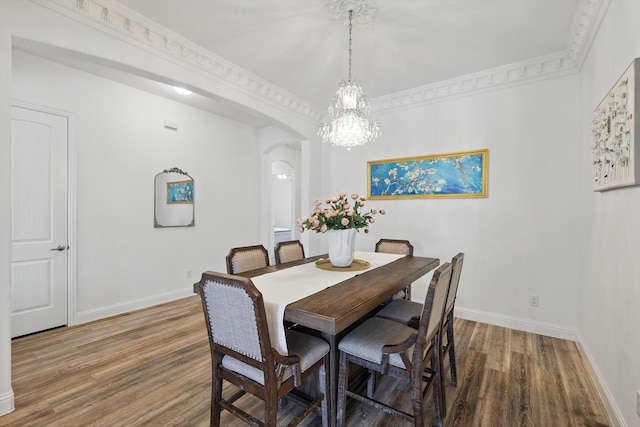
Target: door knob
(59,248)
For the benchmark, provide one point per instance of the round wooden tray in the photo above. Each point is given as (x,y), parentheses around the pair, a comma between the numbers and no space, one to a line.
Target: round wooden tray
(356,265)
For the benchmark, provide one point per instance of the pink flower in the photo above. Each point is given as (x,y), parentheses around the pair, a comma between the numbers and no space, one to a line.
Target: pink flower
(318,209)
(360,203)
(374,211)
(334,200)
(346,206)
(315,222)
(345,221)
(328,213)
(318,202)
(363,198)
(349,213)
(301,229)
(342,194)
(323,228)
(354,196)
(372,220)
(382,212)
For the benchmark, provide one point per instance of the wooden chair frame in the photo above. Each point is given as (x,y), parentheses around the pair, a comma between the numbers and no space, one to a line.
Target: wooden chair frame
(447,322)
(273,366)
(235,251)
(406,243)
(283,245)
(423,363)
(409,252)
(449,346)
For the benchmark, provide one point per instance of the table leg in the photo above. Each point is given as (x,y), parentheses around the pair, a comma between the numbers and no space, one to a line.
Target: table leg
(333,376)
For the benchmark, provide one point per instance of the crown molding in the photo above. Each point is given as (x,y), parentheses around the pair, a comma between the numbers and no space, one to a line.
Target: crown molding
(117,20)
(113,18)
(551,66)
(587,20)
(585,27)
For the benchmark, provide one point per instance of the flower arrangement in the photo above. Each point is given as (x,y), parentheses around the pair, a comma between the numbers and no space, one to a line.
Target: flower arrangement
(339,214)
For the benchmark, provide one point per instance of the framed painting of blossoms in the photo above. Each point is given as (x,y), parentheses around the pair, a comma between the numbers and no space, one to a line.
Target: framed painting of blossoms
(435,176)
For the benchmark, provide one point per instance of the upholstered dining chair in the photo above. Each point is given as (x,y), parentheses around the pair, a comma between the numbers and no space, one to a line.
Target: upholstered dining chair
(391,348)
(241,353)
(292,250)
(247,258)
(400,247)
(403,311)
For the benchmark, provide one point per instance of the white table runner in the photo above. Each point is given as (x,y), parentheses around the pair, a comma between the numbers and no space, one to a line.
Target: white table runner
(288,285)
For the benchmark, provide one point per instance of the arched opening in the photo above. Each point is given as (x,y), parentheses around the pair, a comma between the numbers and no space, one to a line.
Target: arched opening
(282,201)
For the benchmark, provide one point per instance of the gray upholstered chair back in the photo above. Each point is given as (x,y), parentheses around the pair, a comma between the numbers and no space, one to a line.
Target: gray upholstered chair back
(433,309)
(289,251)
(247,258)
(232,318)
(394,246)
(456,269)
(241,352)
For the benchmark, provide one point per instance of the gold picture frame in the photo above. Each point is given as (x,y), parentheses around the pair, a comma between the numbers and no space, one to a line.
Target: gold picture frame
(453,175)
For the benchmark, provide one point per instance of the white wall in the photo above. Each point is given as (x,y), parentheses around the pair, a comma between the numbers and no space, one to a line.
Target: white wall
(518,241)
(121,144)
(608,293)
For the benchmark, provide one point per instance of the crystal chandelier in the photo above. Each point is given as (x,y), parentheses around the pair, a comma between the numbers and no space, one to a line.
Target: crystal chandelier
(350,125)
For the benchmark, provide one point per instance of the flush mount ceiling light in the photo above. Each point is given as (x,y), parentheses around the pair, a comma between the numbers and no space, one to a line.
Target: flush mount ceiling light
(349,109)
(182,91)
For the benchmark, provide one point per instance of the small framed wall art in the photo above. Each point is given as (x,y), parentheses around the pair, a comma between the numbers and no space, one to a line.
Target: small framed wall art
(180,192)
(454,175)
(615,131)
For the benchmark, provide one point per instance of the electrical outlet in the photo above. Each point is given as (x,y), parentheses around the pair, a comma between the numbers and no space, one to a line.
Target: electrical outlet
(188,274)
(534,300)
(638,403)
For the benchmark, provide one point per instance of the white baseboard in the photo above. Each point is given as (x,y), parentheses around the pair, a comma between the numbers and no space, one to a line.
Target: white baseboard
(526,325)
(615,416)
(115,309)
(7,403)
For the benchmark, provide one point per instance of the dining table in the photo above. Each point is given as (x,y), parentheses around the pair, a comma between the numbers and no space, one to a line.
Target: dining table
(342,302)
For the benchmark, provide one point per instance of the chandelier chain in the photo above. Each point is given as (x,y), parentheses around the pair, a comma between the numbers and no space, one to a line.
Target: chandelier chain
(350,27)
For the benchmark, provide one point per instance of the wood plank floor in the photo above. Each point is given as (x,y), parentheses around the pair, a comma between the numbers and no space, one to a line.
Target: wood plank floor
(152,368)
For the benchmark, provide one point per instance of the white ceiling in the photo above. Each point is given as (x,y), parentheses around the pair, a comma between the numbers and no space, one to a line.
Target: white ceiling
(296,45)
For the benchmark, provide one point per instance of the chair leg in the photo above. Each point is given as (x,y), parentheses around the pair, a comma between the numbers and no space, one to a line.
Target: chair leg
(325,389)
(216,395)
(270,408)
(417,402)
(442,378)
(438,391)
(371,383)
(343,383)
(452,350)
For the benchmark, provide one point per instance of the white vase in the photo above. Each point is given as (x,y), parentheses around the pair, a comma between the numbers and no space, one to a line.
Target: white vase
(342,245)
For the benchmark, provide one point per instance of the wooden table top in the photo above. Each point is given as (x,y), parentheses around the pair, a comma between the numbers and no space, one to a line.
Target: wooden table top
(337,307)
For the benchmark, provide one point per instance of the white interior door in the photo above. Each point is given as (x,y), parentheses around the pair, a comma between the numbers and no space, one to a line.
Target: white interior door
(39,221)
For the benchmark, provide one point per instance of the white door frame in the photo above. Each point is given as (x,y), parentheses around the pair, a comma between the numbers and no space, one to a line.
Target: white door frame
(71,202)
